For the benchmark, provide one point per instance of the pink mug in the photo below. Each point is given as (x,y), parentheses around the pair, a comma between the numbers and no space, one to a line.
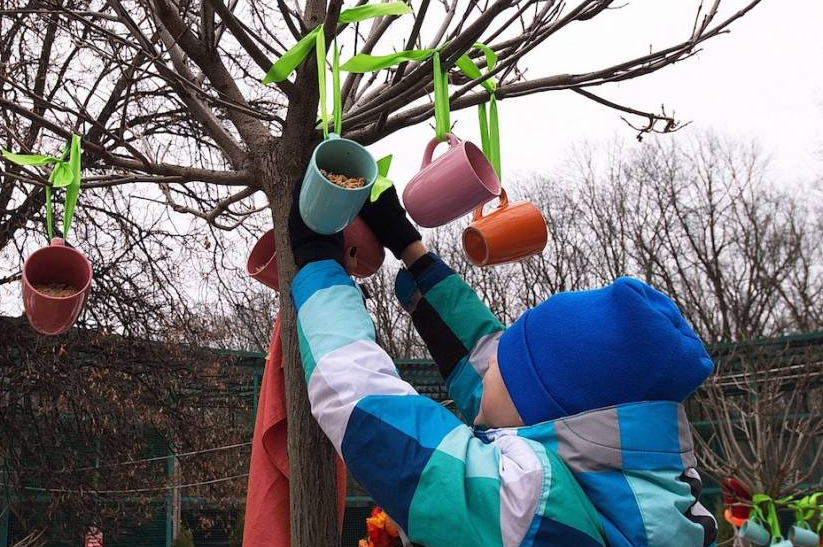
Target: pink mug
(262,262)
(447,188)
(56,282)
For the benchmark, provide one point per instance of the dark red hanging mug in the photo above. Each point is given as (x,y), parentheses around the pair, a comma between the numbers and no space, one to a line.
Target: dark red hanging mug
(55,265)
(262,263)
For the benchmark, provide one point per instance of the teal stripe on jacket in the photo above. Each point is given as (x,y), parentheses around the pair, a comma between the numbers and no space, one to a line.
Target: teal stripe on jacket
(459,330)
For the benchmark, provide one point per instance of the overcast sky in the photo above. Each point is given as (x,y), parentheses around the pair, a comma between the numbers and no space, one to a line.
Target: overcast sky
(762,81)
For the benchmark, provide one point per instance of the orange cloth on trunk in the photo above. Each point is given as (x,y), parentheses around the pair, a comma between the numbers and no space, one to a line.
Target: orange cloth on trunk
(267,498)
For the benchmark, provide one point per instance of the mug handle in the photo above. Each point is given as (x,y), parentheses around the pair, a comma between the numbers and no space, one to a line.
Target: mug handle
(504,202)
(427,155)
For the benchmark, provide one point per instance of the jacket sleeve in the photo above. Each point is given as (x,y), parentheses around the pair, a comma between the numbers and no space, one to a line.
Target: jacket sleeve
(459,330)
(417,460)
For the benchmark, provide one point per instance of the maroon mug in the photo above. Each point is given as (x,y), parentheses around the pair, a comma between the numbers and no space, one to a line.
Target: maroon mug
(262,263)
(370,253)
(45,272)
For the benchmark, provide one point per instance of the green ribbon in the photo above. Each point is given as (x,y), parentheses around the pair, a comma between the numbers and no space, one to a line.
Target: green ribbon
(363,63)
(320,54)
(806,507)
(489,126)
(338,100)
(767,515)
(381,183)
(816,506)
(805,510)
(64,174)
(489,118)
(442,123)
(370,11)
(290,60)
(316,40)
(279,71)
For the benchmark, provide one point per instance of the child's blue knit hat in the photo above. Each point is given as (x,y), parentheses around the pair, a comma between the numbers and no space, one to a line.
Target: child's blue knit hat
(585,350)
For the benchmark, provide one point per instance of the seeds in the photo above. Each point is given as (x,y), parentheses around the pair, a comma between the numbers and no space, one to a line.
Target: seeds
(58,290)
(343,180)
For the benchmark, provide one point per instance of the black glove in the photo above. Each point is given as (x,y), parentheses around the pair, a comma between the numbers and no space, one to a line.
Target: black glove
(306,244)
(388,220)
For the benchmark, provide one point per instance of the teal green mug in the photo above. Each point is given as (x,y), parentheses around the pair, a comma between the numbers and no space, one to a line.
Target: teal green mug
(780,542)
(326,207)
(801,535)
(754,532)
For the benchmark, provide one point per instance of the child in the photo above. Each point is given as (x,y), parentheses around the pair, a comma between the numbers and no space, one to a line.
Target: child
(580,439)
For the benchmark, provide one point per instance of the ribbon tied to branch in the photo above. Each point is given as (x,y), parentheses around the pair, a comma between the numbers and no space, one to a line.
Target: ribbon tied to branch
(316,40)
(64,174)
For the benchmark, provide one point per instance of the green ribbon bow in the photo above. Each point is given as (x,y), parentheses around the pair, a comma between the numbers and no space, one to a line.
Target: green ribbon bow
(292,58)
(769,516)
(489,127)
(362,63)
(764,509)
(489,119)
(64,174)
(806,507)
(316,40)
(279,71)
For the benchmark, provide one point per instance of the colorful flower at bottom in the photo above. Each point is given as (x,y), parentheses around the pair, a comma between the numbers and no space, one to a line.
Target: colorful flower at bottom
(381,531)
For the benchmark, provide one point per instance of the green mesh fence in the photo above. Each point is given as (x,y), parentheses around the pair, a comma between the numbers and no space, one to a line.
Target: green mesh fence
(226,531)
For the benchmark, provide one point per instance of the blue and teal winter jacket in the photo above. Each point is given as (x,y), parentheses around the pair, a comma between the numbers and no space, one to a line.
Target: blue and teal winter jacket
(619,477)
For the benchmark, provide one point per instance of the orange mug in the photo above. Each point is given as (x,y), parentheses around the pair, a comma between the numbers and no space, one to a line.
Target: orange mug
(511,232)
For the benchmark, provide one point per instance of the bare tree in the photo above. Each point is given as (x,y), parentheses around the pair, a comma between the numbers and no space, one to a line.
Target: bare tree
(702,221)
(760,417)
(166,96)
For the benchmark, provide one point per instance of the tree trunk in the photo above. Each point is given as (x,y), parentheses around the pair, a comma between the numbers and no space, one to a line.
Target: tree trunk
(312,476)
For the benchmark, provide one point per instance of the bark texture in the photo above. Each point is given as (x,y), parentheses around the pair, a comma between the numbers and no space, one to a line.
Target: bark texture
(312,483)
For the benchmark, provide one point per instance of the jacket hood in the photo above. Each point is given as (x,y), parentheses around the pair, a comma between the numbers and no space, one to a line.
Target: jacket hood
(636,464)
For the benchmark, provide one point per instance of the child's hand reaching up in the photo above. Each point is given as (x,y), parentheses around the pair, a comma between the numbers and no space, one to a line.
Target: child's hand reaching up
(306,244)
(388,220)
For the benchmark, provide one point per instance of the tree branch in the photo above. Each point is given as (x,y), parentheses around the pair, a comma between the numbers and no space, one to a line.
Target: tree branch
(253,132)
